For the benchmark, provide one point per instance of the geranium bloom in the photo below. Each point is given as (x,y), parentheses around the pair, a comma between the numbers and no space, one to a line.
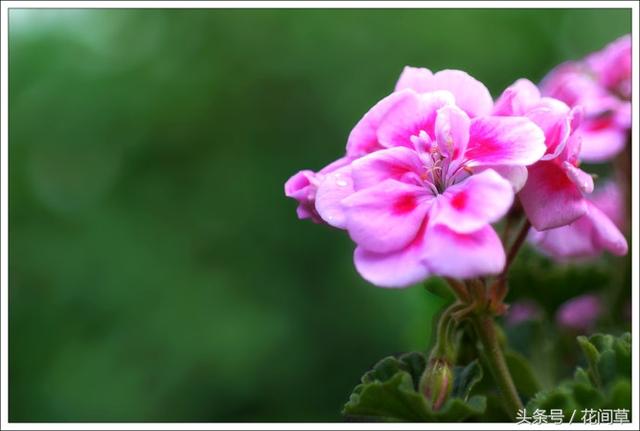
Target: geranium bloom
(553,193)
(423,205)
(420,192)
(596,231)
(471,96)
(601,84)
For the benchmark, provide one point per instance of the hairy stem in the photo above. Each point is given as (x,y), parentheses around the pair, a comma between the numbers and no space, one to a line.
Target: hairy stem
(486,331)
(498,290)
(442,347)
(458,288)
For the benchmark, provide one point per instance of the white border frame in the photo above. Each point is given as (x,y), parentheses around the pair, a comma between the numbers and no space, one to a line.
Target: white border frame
(4,213)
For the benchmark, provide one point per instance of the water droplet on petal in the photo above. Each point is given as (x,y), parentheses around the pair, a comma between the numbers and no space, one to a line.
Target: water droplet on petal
(342,183)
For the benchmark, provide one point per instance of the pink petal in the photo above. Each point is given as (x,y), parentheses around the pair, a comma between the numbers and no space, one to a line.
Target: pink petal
(609,199)
(458,255)
(363,139)
(336,186)
(601,145)
(475,202)
(517,99)
(588,236)
(336,165)
(398,163)
(387,216)
(554,118)
(580,178)
(302,187)
(470,94)
(549,198)
(516,175)
(606,235)
(612,65)
(400,268)
(411,115)
(416,78)
(452,131)
(623,115)
(504,141)
(570,241)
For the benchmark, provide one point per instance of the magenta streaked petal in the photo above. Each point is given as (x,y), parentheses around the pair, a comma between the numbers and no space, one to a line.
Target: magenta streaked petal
(411,115)
(549,198)
(400,268)
(387,216)
(470,205)
(398,163)
(459,255)
(554,118)
(363,138)
(504,141)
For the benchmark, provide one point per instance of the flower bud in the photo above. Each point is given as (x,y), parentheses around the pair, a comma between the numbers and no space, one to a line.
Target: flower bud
(436,382)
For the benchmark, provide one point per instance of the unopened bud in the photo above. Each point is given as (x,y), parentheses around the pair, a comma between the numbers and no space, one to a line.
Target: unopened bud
(436,382)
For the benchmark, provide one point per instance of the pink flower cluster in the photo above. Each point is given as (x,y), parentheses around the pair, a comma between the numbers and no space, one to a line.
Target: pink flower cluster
(601,85)
(431,166)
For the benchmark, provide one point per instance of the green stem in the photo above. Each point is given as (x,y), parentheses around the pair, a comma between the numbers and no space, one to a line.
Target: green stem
(442,347)
(486,331)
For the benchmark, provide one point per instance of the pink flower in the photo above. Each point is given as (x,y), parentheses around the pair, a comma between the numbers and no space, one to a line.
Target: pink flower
(601,84)
(423,205)
(612,66)
(579,314)
(420,186)
(303,187)
(522,311)
(592,233)
(553,193)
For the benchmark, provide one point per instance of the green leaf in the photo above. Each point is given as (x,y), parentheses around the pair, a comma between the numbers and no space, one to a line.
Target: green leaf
(593,356)
(605,384)
(465,379)
(414,363)
(522,373)
(388,393)
(391,400)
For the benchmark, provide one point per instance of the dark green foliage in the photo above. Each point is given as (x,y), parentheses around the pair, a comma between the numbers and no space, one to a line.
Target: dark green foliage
(389,393)
(604,384)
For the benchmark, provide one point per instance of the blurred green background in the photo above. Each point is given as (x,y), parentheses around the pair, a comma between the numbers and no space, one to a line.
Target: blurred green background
(157,272)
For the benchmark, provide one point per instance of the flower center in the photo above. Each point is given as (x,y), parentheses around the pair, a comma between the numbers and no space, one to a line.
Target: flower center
(434,163)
